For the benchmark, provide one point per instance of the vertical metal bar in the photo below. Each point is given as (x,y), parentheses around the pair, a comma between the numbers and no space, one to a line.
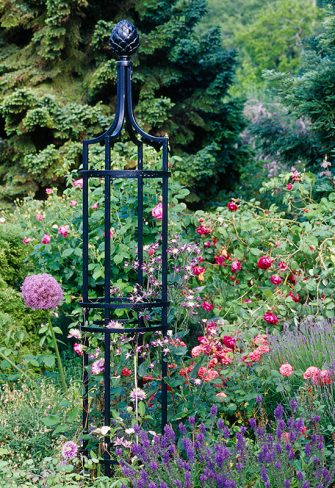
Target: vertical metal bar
(140,320)
(165,156)
(85,395)
(107,263)
(85,223)
(85,377)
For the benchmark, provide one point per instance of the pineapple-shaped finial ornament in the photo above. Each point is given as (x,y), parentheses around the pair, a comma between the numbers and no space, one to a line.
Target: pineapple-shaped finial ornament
(124,39)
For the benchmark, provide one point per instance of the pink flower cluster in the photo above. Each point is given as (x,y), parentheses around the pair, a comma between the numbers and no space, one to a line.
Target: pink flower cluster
(261,341)
(41,291)
(318,376)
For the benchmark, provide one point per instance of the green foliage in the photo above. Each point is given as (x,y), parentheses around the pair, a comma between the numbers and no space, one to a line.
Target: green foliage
(23,426)
(57,62)
(274,40)
(309,97)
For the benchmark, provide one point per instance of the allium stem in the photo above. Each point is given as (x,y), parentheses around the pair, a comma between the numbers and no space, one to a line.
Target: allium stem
(59,360)
(14,365)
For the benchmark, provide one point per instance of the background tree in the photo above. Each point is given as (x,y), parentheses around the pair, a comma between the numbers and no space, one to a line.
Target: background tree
(58,84)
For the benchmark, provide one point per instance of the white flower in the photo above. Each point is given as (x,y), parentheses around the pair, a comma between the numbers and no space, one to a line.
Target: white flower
(130,431)
(105,429)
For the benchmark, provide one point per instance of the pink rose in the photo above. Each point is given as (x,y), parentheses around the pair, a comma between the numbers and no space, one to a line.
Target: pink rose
(325,377)
(78,183)
(286,369)
(198,270)
(311,373)
(282,266)
(197,351)
(289,186)
(207,306)
(270,318)
(232,206)
(73,203)
(63,230)
(78,349)
(265,262)
(264,349)
(46,239)
(207,374)
(39,217)
(236,266)
(157,212)
(261,340)
(276,280)
(49,191)
(203,231)
(26,240)
(207,244)
(95,206)
(252,357)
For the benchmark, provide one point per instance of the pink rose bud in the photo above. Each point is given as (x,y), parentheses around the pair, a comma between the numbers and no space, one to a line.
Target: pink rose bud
(78,183)
(78,349)
(276,280)
(270,318)
(73,203)
(198,270)
(46,239)
(286,369)
(207,244)
(207,306)
(95,206)
(289,186)
(236,266)
(295,298)
(49,191)
(157,212)
(39,217)
(265,262)
(232,206)
(63,230)
(26,240)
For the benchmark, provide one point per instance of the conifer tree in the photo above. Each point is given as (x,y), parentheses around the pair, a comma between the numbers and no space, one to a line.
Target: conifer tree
(58,87)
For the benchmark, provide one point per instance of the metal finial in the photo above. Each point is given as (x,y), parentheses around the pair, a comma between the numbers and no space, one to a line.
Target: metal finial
(124,39)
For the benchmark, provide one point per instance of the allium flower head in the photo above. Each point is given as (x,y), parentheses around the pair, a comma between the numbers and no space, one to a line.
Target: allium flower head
(69,450)
(41,291)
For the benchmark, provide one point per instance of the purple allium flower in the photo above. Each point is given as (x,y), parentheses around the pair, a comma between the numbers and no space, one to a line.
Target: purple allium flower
(41,291)
(137,393)
(98,366)
(69,450)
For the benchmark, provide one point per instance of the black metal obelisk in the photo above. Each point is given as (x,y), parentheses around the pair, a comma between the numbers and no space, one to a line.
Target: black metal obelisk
(124,41)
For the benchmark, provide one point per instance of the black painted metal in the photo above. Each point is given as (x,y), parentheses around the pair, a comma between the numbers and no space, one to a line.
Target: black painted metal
(124,41)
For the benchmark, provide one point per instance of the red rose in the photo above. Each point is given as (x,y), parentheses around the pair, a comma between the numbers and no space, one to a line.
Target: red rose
(198,270)
(295,298)
(126,372)
(232,206)
(202,231)
(265,262)
(270,318)
(292,279)
(220,260)
(229,342)
(207,306)
(289,186)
